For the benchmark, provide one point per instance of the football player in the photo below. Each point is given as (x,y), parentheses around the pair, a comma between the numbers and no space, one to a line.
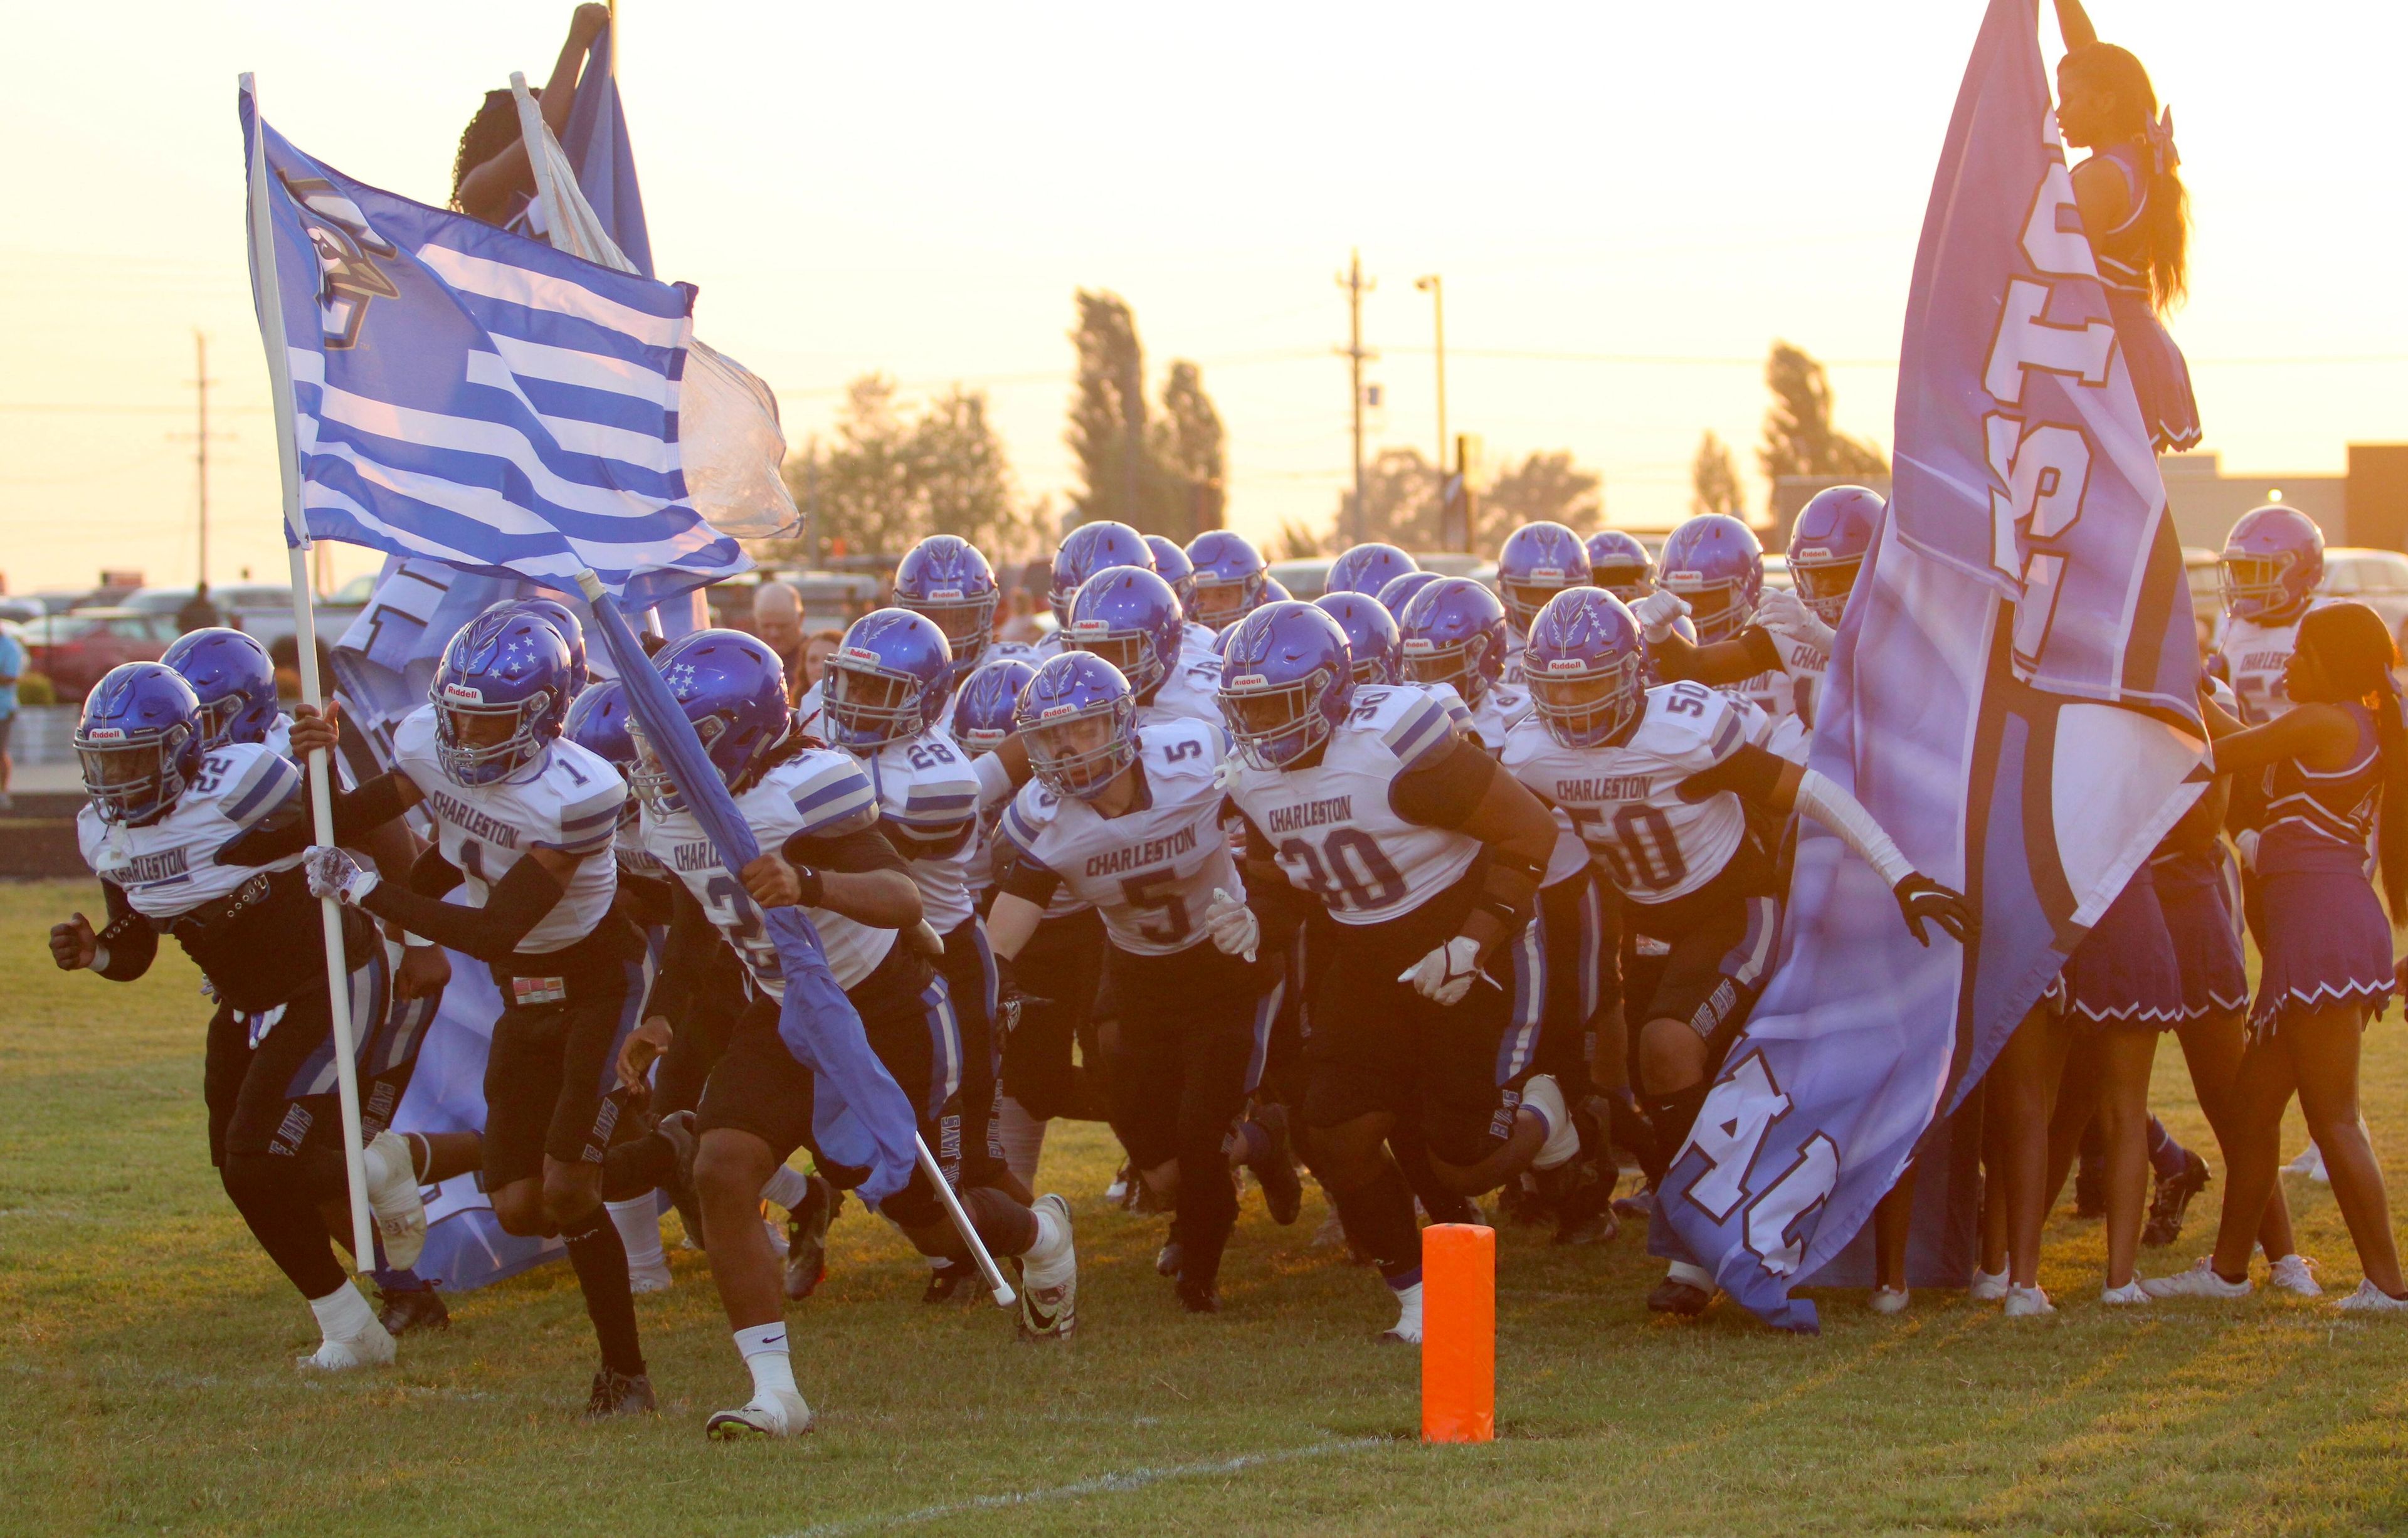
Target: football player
(206,845)
(1620,564)
(814,812)
(1125,811)
(525,822)
(1367,569)
(1089,549)
(1537,562)
(946,579)
(1372,804)
(1655,780)
(1132,619)
(1229,573)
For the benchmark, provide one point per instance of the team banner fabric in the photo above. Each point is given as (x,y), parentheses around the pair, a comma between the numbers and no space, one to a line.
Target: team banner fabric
(860,1117)
(471,396)
(605,162)
(2012,694)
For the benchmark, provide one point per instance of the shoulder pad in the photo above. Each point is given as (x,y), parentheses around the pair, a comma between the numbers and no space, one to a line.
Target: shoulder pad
(826,787)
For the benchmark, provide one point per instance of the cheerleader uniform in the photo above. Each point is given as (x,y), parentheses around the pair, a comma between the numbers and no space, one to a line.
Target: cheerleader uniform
(2324,937)
(2160,378)
(2124,972)
(2198,892)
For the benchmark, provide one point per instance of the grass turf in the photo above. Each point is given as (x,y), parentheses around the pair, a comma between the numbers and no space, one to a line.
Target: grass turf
(146,1379)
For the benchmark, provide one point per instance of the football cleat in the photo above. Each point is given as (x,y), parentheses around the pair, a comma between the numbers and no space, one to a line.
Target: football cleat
(616,1394)
(2309,1163)
(2171,1199)
(1121,1192)
(394,1197)
(945,1281)
(775,1413)
(1049,1288)
(371,1347)
(1675,1295)
(1199,1296)
(417,1308)
(1637,1207)
(807,1229)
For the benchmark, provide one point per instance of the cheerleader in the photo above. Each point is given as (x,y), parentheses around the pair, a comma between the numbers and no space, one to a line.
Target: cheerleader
(2339,756)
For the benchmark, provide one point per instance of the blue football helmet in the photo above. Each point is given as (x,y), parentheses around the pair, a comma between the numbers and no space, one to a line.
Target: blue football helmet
(1401,590)
(1455,633)
(572,633)
(599,722)
(1131,619)
(732,688)
(234,680)
(1372,639)
(886,681)
(1368,568)
(1585,665)
(500,695)
(1714,562)
(946,579)
(1171,564)
(1272,591)
(983,709)
(1078,720)
(1620,564)
(1286,681)
(1227,580)
(2272,561)
(1538,561)
(138,742)
(1828,545)
(1087,549)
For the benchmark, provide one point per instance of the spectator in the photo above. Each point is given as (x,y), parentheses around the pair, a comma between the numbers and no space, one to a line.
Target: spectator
(285,653)
(816,649)
(777,620)
(1021,624)
(199,613)
(12,665)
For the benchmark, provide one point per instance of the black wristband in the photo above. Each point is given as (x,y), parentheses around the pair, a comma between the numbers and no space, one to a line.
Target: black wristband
(814,887)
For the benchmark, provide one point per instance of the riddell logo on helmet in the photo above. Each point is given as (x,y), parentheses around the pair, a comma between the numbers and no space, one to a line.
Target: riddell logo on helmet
(105,734)
(1565,665)
(462,694)
(1092,627)
(1420,644)
(1546,574)
(950,594)
(1053,711)
(1811,552)
(859,654)
(1248,681)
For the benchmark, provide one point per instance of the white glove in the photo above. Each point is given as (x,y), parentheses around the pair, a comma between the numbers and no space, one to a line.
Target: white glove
(1656,611)
(1784,615)
(1225,772)
(1445,975)
(333,873)
(1232,925)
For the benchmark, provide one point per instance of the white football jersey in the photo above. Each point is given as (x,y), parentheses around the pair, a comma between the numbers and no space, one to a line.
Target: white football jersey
(627,847)
(1515,642)
(1150,872)
(926,787)
(2254,658)
(567,799)
(1330,826)
(171,865)
(1625,799)
(1192,689)
(1500,709)
(816,790)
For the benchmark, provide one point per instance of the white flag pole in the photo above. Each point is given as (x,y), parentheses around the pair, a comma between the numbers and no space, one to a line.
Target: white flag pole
(279,375)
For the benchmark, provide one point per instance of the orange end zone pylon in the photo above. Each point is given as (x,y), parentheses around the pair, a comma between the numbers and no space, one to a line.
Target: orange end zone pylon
(1458,1333)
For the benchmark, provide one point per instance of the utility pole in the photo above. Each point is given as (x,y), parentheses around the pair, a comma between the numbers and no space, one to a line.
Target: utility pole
(1431,286)
(201,444)
(1356,286)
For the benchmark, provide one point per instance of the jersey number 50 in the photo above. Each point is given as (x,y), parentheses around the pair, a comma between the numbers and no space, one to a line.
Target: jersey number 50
(1637,845)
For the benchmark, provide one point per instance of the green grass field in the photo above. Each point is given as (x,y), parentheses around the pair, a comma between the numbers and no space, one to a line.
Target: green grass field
(146,1379)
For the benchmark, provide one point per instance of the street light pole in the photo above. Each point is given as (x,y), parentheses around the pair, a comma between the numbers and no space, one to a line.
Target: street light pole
(1356,285)
(1431,286)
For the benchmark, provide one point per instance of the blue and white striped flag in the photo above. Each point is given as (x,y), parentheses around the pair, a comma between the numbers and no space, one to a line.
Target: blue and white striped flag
(2013,693)
(474,397)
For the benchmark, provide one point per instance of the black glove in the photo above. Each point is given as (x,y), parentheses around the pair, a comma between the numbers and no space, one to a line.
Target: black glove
(1009,999)
(1922,899)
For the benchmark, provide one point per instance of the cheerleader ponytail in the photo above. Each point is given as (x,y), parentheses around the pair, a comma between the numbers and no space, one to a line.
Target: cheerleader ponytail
(2138,118)
(2355,648)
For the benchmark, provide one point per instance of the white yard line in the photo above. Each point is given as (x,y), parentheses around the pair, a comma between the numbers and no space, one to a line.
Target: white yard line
(1107,1483)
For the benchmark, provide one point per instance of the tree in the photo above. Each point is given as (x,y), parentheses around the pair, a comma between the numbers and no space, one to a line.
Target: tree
(1799,437)
(885,482)
(1162,476)
(1295,541)
(1714,479)
(1543,488)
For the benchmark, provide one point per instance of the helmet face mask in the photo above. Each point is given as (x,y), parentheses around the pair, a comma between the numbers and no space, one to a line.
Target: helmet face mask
(137,743)
(1828,545)
(479,743)
(1824,581)
(1455,633)
(2273,563)
(1586,669)
(1286,681)
(886,681)
(1220,604)
(1537,562)
(500,695)
(945,579)
(1458,666)
(1078,720)
(1275,724)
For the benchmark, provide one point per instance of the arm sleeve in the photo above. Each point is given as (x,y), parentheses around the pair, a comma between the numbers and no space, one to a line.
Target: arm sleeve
(1750,773)
(1023,877)
(129,939)
(1442,790)
(856,853)
(432,876)
(1743,657)
(516,903)
(1827,804)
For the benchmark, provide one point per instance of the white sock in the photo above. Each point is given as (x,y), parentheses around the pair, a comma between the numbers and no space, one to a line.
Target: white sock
(640,1228)
(343,1314)
(1543,1095)
(1409,1311)
(1023,1139)
(1047,1262)
(1696,1275)
(764,1349)
(786,1189)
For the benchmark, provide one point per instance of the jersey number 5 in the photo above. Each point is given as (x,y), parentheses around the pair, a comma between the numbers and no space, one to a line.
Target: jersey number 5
(1158,890)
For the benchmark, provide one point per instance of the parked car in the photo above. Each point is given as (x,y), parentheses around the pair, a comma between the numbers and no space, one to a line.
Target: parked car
(2377,579)
(74,649)
(16,610)
(263,610)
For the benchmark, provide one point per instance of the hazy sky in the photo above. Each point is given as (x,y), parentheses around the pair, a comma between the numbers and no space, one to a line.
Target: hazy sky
(1649,194)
